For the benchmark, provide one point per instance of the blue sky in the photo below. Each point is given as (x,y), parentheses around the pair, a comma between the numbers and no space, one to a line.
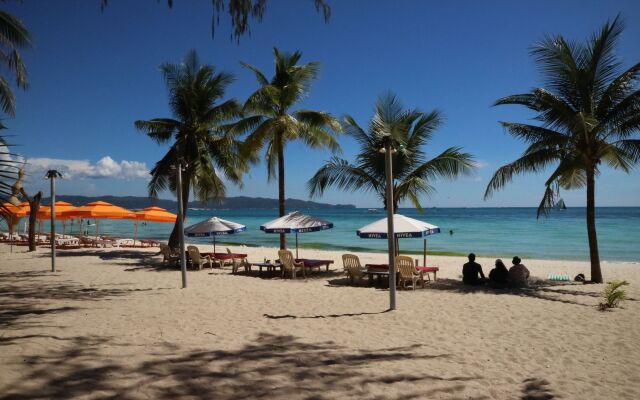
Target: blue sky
(92,74)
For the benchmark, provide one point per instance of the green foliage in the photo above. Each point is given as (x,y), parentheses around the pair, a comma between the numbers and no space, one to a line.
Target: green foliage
(14,37)
(196,131)
(270,119)
(613,294)
(412,170)
(588,114)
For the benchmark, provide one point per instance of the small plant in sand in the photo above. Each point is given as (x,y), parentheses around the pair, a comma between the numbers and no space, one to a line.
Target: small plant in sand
(613,294)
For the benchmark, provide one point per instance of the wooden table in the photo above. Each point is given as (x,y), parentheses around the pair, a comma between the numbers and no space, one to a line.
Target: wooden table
(384,268)
(311,264)
(271,267)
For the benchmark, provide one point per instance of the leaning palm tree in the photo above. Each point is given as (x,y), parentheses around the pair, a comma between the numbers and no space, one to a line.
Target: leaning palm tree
(273,122)
(589,112)
(209,153)
(14,36)
(413,171)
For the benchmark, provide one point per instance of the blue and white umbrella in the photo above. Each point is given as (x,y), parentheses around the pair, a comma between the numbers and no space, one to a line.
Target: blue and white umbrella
(296,222)
(214,227)
(404,227)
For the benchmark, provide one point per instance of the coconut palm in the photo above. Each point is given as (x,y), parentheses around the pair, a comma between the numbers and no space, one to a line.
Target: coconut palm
(241,12)
(589,113)
(14,36)
(273,123)
(209,154)
(413,172)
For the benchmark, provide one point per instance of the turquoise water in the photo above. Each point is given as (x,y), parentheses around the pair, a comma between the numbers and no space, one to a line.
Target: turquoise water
(499,232)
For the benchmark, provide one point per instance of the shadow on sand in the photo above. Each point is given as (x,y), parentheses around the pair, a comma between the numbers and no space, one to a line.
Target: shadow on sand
(537,389)
(270,366)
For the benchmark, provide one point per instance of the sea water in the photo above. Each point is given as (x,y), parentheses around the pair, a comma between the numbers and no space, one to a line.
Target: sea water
(495,232)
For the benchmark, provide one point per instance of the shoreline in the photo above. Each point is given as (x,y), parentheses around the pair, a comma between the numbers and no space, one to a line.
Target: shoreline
(357,249)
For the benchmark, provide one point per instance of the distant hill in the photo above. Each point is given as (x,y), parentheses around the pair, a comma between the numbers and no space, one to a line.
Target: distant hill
(241,202)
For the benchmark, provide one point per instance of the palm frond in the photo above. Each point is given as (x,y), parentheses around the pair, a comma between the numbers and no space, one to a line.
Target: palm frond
(339,173)
(533,161)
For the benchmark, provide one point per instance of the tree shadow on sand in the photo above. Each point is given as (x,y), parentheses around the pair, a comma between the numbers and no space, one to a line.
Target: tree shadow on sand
(270,366)
(134,259)
(538,290)
(537,389)
(25,296)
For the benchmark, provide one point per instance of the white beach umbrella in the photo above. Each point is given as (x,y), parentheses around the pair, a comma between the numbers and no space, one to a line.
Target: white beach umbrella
(213,227)
(296,222)
(404,227)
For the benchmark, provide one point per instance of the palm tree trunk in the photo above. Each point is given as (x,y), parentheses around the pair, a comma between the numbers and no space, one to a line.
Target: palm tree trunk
(173,239)
(281,195)
(596,273)
(34,207)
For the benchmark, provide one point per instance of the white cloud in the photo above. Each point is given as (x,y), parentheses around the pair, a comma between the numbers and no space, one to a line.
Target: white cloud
(106,167)
(481,164)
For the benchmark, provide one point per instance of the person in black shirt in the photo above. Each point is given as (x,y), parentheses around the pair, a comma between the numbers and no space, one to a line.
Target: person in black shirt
(472,272)
(499,276)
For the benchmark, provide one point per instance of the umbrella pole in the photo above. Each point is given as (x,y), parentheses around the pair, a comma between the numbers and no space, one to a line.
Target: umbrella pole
(214,244)
(424,255)
(135,232)
(296,244)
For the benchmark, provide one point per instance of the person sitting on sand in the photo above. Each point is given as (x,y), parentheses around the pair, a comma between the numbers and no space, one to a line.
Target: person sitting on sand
(472,272)
(518,274)
(499,276)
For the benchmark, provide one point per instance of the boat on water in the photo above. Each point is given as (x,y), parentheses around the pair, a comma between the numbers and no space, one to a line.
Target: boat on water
(372,210)
(560,205)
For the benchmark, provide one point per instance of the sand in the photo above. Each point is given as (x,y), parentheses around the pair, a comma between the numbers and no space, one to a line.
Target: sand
(111,323)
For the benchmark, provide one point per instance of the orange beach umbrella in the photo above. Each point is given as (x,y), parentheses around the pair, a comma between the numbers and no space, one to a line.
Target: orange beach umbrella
(63,211)
(152,214)
(21,210)
(100,210)
(155,214)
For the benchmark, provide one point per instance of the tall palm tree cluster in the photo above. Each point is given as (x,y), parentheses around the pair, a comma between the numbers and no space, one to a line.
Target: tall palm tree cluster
(588,113)
(219,139)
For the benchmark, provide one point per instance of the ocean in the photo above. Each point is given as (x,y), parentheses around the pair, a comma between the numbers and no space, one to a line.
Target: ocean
(494,232)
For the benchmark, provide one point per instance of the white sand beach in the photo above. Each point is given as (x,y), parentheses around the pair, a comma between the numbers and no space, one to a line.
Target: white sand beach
(111,323)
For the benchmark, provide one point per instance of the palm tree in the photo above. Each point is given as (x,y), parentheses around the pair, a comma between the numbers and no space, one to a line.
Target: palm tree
(412,170)
(207,151)
(240,13)
(273,123)
(589,113)
(14,36)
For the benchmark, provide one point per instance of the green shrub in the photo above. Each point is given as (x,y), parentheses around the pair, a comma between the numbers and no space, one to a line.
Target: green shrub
(613,294)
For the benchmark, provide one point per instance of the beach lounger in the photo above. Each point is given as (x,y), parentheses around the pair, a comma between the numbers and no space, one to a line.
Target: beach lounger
(407,272)
(353,268)
(169,256)
(196,259)
(237,263)
(289,265)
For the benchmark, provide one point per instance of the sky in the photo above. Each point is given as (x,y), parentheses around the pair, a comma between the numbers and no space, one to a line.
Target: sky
(93,73)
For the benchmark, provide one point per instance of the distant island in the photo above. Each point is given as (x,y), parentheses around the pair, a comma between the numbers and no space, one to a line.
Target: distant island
(240,202)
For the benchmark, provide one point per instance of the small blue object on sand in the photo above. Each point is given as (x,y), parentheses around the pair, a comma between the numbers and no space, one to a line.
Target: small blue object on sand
(559,278)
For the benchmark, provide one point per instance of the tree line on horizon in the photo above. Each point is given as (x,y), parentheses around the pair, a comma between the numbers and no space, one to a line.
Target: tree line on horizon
(587,114)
